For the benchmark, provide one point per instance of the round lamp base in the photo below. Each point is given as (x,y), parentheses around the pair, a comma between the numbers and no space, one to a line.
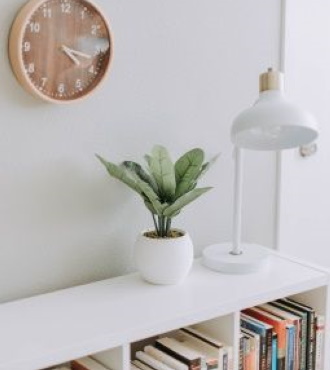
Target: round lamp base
(253,258)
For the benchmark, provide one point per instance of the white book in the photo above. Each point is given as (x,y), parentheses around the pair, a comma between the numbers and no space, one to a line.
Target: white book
(177,347)
(134,367)
(140,365)
(88,363)
(204,336)
(319,336)
(212,356)
(165,358)
(223,349)
(151,361)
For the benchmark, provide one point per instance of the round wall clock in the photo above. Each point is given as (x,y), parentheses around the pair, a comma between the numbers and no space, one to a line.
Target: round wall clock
(60,50)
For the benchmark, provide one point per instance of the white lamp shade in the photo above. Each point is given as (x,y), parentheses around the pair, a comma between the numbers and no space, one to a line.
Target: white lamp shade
(273,123)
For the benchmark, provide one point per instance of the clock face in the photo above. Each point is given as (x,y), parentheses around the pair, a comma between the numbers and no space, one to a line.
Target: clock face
(63,48)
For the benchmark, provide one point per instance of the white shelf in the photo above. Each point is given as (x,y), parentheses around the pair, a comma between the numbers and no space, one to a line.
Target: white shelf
(56,327)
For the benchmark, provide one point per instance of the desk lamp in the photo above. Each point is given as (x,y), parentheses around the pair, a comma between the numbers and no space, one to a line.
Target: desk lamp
(272,123)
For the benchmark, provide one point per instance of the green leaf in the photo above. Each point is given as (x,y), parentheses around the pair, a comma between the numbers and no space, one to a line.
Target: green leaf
(163,171)
(143,175)
(147,192)
(187,169)
(119,173)
(207,166)
(147,157)
(183,201)
(134,182)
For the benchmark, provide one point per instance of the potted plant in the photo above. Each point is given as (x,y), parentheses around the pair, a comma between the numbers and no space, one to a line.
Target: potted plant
(163,254)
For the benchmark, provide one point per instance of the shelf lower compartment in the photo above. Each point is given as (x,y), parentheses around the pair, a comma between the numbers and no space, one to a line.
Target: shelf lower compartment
(57,327)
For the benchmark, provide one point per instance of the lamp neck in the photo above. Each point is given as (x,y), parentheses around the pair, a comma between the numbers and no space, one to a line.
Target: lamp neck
(271,80)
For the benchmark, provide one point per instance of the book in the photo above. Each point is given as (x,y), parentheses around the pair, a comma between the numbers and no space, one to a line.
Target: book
(140,365)
(310,343)
(319,341)
(264,330)
(241,352)
(302,333)
(274,352)
(87,363)
(279,327)
(179,351)
(165,358)
(134,367)
(211,355)
(291,319)
(247,353)
(255,343)
(151,361)
(227,350)
(290,355)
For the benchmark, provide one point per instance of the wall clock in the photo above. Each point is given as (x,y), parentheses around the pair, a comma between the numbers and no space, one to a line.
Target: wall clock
(60,50)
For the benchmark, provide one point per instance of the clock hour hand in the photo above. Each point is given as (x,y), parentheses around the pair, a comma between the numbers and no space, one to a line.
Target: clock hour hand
(69,53)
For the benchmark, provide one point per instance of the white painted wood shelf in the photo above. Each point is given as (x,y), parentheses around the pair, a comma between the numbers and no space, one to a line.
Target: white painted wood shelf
(110,315)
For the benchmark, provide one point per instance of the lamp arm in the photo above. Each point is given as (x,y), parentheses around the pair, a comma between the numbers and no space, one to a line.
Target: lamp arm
(237,216)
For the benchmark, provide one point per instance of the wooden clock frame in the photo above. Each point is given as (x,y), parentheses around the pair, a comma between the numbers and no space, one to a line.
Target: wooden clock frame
(16,36)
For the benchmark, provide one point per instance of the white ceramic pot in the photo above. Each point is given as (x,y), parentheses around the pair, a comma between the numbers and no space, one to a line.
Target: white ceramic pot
(164,261)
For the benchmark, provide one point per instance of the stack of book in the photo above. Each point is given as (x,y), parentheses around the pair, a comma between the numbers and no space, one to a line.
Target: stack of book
(85,363)
(281,335)
(184,349)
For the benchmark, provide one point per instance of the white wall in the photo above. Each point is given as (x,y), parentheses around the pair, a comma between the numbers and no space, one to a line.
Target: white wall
(182,70)
(305,216)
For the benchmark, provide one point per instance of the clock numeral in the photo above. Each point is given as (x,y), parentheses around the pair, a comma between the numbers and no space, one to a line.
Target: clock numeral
(44,81)
(34,27)
(47,13)
(26,46)
(61,88)
(82,14)
(78,84)
(95,28)
(66,8)
(30,68)
(91,69)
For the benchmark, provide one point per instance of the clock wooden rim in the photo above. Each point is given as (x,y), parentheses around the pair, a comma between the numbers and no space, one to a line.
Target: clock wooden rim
(16,56)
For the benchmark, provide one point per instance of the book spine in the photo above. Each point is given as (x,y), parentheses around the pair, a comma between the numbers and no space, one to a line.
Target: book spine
(247,351)
(303,344)
(263,347)
(241,353)
(269,345)
(274,352)
(291,344)
(311,341)
(319,340)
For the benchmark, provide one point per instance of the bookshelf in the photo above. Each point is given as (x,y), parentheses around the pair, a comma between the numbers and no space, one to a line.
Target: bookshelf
(107,317)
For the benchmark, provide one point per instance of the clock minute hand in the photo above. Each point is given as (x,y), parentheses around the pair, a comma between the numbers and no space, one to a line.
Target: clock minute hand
(69,53)
(80,54)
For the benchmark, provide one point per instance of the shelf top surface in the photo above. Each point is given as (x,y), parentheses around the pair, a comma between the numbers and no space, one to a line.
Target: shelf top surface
(70,323)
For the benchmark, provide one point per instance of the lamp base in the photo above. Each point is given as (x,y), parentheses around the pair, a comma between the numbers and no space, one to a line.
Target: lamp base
(254,258)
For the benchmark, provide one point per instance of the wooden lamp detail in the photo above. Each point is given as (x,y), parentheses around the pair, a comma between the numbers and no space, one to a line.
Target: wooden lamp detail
(60,50)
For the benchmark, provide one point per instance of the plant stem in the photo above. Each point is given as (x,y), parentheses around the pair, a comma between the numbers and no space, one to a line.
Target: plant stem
(160,226)
(168,226)
(155,223)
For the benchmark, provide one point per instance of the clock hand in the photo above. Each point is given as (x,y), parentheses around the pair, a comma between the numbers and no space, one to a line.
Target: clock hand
(80,54)
(68,52)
